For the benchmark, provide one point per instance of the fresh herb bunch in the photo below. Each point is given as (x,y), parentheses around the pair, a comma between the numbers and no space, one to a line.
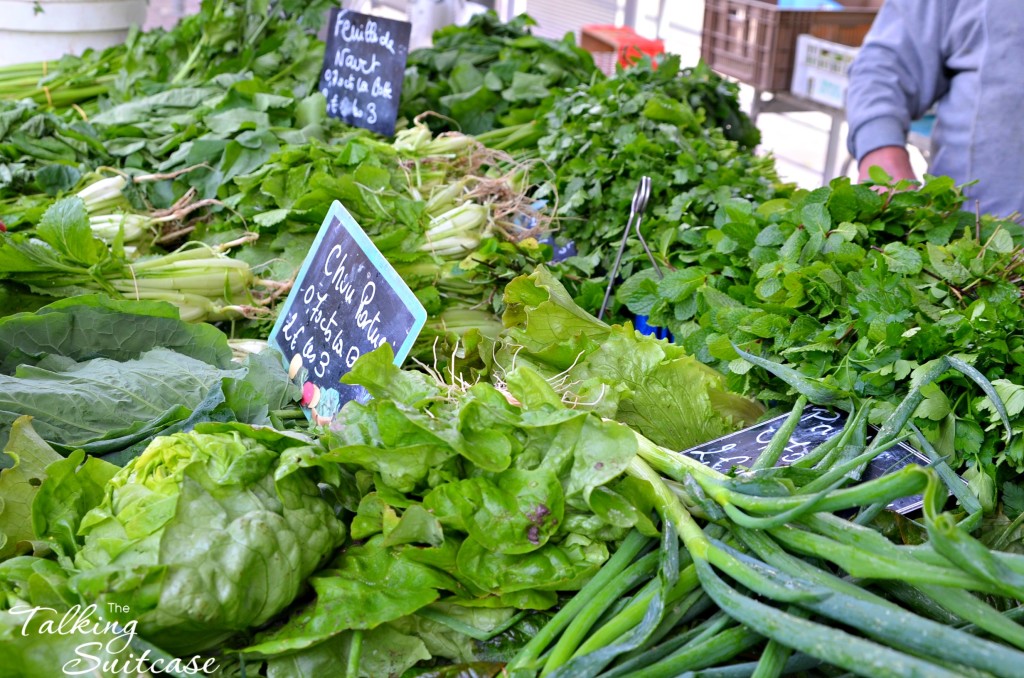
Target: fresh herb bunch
(600,139)
(489,74)
(860,289)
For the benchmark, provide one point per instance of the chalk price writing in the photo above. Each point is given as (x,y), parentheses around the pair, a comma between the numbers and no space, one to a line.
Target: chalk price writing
(363,69)
(368,33)
(338,279)
(363,319)
(350,107)
(347,300)
(379,88)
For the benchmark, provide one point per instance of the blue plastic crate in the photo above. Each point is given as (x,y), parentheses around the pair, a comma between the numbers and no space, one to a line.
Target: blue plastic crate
(642,326)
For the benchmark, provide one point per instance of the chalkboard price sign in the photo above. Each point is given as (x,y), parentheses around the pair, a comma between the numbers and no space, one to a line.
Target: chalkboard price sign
(817,425)
(364,65)
(347,300)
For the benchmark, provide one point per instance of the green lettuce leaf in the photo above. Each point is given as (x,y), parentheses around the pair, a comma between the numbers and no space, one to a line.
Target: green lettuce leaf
(75,403)
(106,376)
(653,386)
(365,587)
(668,396)
(200,538)
(73,486)
(384,651)
(95,326)
(25,459)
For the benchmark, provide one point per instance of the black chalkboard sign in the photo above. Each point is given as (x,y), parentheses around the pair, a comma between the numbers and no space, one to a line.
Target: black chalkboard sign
(347,300)
(364,65)
(816,426)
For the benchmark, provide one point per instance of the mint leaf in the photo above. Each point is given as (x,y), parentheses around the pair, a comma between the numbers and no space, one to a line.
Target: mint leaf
(879,175)
(902,259)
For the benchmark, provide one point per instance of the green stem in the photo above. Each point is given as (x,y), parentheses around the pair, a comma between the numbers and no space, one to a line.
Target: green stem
(640,659)
(355,650)
(778,443)
(634,612)
(775,655)
(978,612)
(525,660)
(595,607)
(707,652)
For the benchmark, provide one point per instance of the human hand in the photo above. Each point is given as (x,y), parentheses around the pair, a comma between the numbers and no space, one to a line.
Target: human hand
(894,160)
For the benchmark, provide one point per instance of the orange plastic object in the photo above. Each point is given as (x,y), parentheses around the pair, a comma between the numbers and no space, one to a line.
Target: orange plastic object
(621,45)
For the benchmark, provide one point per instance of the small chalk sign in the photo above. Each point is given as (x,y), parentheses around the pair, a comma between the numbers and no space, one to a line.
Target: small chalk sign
(347,300)
(364,65)
(817,425)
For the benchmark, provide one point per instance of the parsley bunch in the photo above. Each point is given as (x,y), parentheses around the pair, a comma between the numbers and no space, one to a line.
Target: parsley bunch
(658,121)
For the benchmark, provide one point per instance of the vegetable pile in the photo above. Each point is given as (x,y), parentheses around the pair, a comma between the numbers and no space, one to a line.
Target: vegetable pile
(862,290)
(513,501)
(490,74)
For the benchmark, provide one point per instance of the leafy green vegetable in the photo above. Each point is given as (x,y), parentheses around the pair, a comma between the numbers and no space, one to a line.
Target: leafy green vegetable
(72,487)
(34,600)
(222,70)
(22,472)
(206,534)
(863,291)
(488,73)
(681,128)
(655,387)
(94,325)
(364,587)
(106,376)
(78,403)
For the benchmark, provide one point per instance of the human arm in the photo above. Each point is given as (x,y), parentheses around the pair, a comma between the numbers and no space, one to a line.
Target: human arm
(898,74)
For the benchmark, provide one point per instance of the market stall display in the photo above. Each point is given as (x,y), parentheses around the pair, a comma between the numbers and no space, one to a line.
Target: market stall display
(177,496)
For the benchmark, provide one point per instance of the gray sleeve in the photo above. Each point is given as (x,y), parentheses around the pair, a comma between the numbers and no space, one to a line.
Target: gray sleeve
(898,73)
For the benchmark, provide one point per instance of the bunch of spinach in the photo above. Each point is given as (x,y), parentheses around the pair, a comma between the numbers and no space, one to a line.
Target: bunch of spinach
(489,74)
(862,290)
(224,88)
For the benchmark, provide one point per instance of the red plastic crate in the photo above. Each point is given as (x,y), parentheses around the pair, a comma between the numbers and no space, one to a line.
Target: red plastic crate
(621,45)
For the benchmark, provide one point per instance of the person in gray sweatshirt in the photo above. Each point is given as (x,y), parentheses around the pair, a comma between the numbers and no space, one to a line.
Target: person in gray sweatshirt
(965,57)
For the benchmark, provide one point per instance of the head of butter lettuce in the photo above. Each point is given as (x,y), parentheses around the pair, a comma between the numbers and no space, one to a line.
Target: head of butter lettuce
(206,534)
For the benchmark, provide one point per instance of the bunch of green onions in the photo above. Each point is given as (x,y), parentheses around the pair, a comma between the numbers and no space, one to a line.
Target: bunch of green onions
(774,583)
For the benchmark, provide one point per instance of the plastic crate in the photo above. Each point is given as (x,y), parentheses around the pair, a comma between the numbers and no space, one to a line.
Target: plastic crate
(754,41)
(820,70)
(611,45)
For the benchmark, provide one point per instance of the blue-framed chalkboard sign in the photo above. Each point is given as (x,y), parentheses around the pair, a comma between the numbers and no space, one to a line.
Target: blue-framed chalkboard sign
(347,300)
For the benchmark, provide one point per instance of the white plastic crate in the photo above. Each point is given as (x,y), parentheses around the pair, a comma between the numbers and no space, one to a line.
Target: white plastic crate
(820,70)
